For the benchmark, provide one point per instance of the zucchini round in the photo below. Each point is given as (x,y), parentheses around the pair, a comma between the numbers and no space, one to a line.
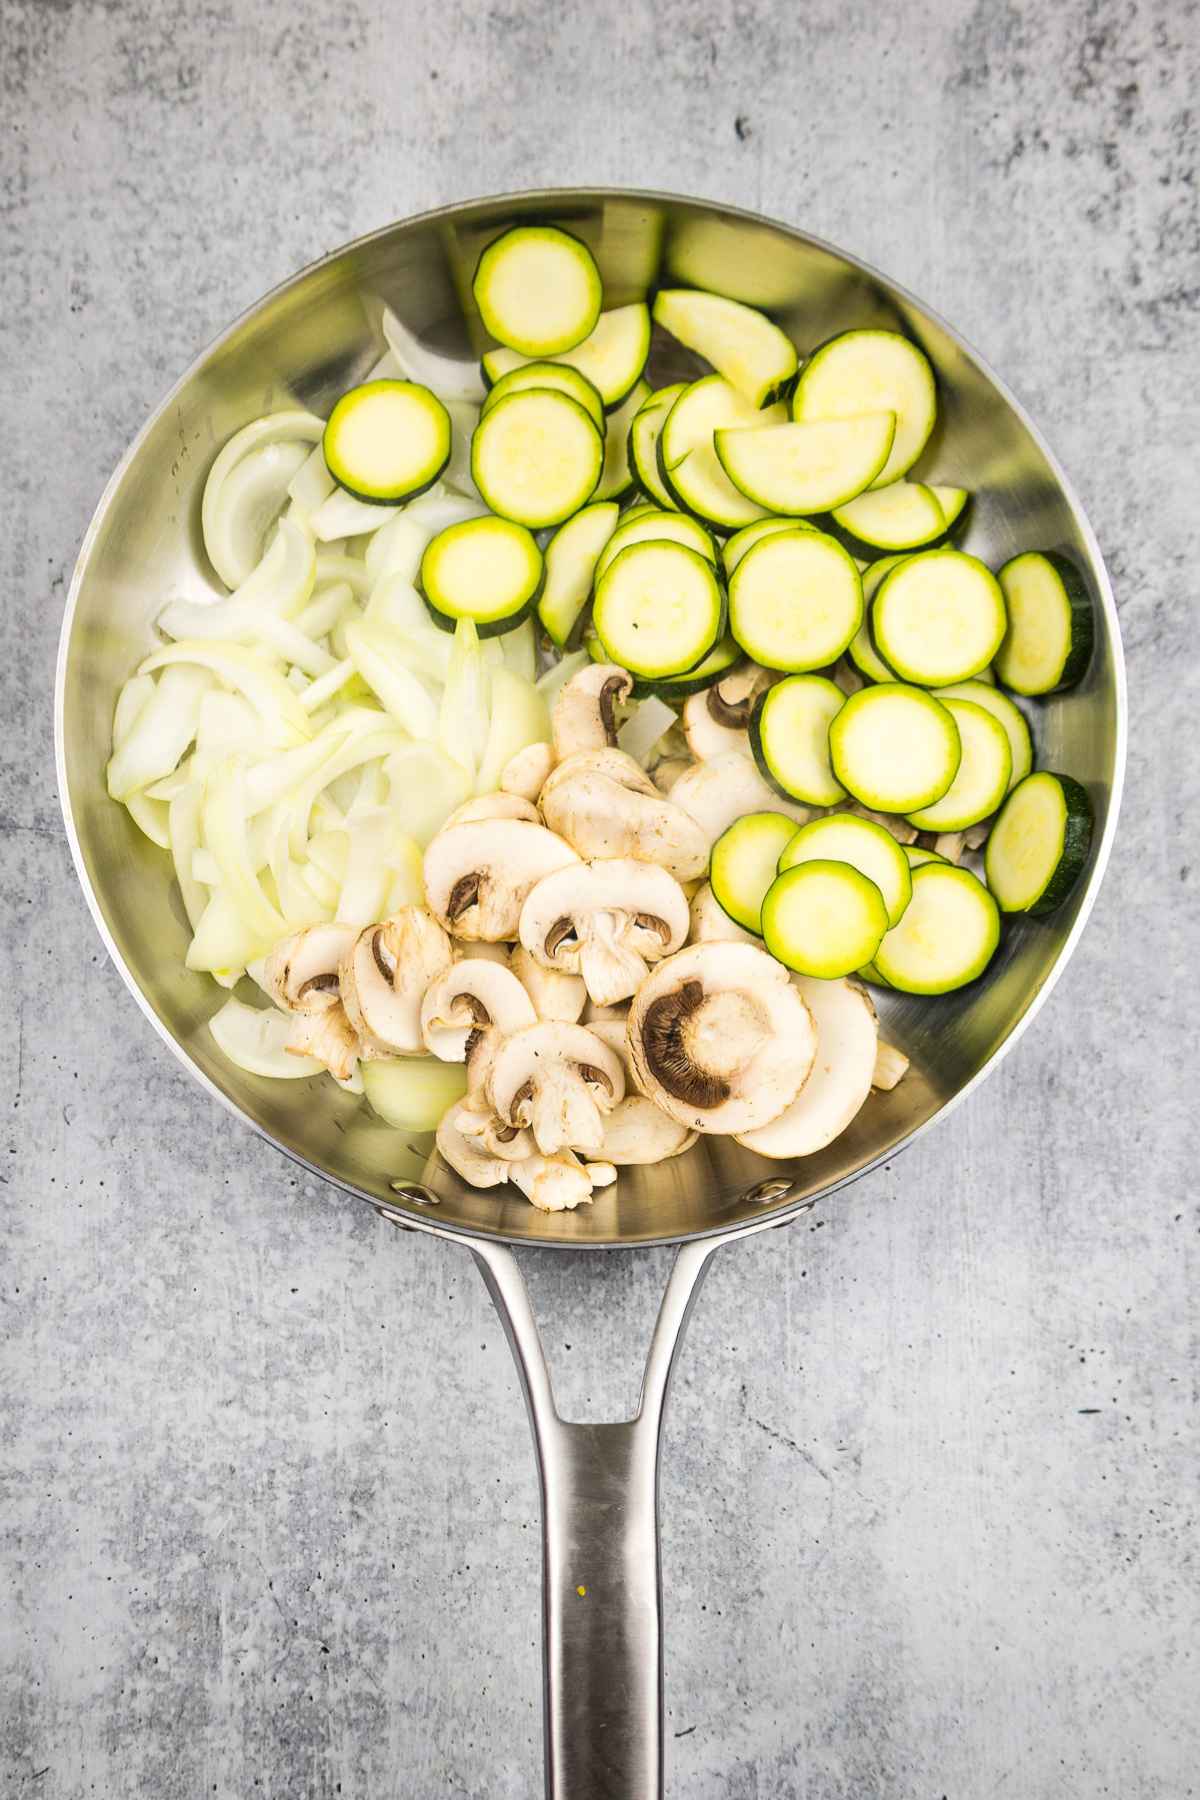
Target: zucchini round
(744,864)
(488,570)
(823,918)
(387,440)
(862,651)
(789,735)
(895,748)
(538,290)
(612,356)
(643,443)
(1039,845)
(660,527)
(906,515)
(720,659)
(938,617)
(741,343)
(795,601)
(982,778)
(687,459)
(866,846)
(1050,630)
(659,609)
(536,457)
(806,467)
(616,477)
(872,371)
(1020,740)
(571,559)
(561,377)
(948,934)
(735,547)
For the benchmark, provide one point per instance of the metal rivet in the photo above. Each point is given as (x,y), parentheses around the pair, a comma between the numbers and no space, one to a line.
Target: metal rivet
(774,1189)
(415,1196)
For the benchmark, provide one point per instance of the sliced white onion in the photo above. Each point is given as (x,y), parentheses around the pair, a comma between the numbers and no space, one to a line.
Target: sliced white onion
(413,1092)
(342,516)
(426,786)
(399,547)
(462,726)
(374,654)
(518,717)
(130,701)
(335,565)
(519,650)
(646,724)
(558,675)
(311,484)
(325,609)
(242,504)
(284,720)
(448,376)
(150,817)
(464,417)
(160,734)
(254,1038)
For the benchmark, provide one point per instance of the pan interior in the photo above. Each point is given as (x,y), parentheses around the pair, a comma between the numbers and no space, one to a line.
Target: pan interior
(304,345)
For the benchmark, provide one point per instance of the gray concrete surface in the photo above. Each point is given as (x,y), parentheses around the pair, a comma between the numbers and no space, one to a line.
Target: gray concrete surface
(269,1513)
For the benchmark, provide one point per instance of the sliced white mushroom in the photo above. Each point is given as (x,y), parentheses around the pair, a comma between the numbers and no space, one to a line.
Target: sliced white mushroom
(561,1182)
(720,1038)
(470,1156)
(667,772)
(560,1080)
(477,875)
(301,973)
(901,830)
(606,1014)
(712,924)
(383,977)
(607,921)
(725,788)
(847,1036)
(604,805)
(584,716)
(525,772)
(637,1131)
(493,1134)
(890,1066)
(847,677)
(715,720)
(949,844)
(471,997)
(976,836)
(329,1036)
(494,806)
(555,994)
(705,735)
(497,953)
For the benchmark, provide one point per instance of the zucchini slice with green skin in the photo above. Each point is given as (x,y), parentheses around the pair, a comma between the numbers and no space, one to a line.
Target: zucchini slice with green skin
(571,560)
(488,570)
(643,443)
(656,526)
(612,356)
(742,344)
(795,601)
(387,440)
(872,371)
(906,515)
(720,659)
(953,502)
(659,609)
(809,467)
(559,376)
(823,918)
(917,855)
(982,777)
(867,847)
(538,290)
(1050,630)
(1040,843)
(895,748)
(948,934)
(687,459)
(745,861)
(735,547)
(1020,739)
(789,735)
(616,477)
(536,457)
(938,617)
(862,652)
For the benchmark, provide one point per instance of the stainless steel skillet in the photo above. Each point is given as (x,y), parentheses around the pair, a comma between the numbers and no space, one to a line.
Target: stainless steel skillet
(302,345)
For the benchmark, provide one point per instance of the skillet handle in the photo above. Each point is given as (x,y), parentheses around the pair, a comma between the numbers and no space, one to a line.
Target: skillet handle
(601,1571)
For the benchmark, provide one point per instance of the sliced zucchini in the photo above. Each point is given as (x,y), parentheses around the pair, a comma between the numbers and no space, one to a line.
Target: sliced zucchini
(687,458)
(795,601)
(538,290)
(938,617)
(643,443)
(871,372)
(612,357)
(789,735)
(559,376)
(742,344)
(906,515)
(720,659)
(867,847)
(1020,740)
(571,558)
(953,502)
(808,467)
(486,569)
(653,525)
(823,918)
(981,780)
(387,440)
(917,854)
(745,862)
(616,477)
(894,747)
(1039,845)
(948,934)
(1050,630)
(735,547)
(536,457)
(659,609)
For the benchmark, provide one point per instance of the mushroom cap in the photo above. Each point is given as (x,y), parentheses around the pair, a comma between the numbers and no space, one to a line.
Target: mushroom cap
(725,788)
(712,924)
(555,994)
(493,1134)
(477,875)
(720,1038)
(559,1183)
(473,995)
(526,771)
(637,1130)
(494,806)
(301,973)
(383,975)
(467,1156)
(847,1039)
(667,772)
(706,735)
(604,805)
(559,1079)
(584,716)
(606,920)
(329,1036)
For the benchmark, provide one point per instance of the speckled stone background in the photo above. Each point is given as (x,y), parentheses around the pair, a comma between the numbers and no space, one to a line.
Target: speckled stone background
(269,1513)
